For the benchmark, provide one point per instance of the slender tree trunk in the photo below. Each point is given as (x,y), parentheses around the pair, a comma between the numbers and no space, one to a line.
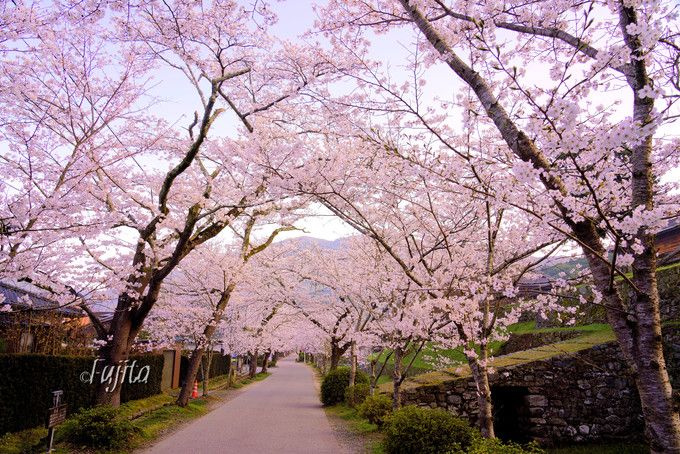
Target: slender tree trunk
(265,361)
(481,377)
(196,358)
(206,371)
(396,379)
(232,372)
(195,362)
(190,377)
(352,364)
(253,365)
(373,377)
(202,376)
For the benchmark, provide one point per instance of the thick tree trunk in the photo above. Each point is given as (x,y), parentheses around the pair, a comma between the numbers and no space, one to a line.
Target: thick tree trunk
(112,356)
(481,377)
(336,354)
(253,365)
(265,361)
(190,377)
(639,337)
(396,379)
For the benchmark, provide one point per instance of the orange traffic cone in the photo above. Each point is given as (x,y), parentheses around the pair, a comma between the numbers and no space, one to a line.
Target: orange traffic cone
(194,393)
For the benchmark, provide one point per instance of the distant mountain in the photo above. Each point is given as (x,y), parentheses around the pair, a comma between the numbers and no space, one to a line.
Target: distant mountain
(553,266)
(308,242)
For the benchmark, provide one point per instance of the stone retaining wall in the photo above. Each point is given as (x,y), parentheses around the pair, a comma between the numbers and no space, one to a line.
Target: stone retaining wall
(579,397)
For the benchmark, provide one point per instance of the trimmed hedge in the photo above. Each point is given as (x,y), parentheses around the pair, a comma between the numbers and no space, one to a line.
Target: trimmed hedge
(153,384)
(27,382)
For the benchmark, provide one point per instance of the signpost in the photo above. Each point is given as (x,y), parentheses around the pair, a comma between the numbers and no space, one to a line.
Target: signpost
(55,416)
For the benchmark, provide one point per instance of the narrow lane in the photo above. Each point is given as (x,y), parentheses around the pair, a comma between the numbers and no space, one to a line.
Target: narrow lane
(280,414)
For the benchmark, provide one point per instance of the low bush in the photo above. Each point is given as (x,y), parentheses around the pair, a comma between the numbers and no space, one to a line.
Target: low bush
(357,394)
(99,427)
(426,431)
(334,384)
(495,446)
(376,409)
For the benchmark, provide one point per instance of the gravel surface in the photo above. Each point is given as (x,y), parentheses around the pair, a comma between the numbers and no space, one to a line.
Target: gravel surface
(281,415)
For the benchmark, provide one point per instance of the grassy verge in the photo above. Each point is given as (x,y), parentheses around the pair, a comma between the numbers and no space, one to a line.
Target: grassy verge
(157,422)
(369,434)
(246,381)
(152,416)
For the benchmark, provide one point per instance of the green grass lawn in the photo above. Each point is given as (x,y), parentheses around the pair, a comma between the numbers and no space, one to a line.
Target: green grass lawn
(589,336)
(429,357)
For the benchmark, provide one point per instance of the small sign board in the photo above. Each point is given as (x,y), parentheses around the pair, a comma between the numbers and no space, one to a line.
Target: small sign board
(56,415)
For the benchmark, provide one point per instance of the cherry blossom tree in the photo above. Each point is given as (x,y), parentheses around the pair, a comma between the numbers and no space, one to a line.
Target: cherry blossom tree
(591,166)
(456,237)
(143,193)
(232,272)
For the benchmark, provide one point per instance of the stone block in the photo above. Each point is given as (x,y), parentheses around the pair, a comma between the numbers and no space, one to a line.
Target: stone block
(454,399)
(537,401)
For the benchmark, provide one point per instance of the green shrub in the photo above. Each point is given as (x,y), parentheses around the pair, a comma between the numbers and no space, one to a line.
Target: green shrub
(355,395)
(376,408)
(99,427)
(334,384)
(426,431)
(495,446)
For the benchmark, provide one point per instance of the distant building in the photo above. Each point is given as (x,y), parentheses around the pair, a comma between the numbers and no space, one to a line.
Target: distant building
(36,323)
(534,285)
(668,244)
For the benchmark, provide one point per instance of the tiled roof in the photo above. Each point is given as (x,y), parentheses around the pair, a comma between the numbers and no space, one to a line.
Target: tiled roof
(14,295)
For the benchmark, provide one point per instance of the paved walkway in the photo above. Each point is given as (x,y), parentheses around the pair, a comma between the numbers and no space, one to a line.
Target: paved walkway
(280,414)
